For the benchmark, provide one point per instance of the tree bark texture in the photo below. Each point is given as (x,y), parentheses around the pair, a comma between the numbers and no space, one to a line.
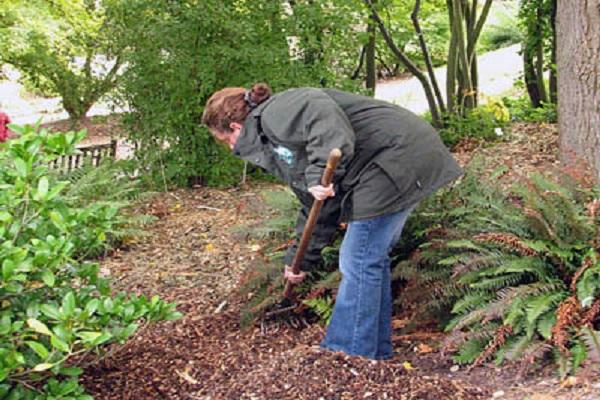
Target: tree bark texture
(371,68)
(578,64)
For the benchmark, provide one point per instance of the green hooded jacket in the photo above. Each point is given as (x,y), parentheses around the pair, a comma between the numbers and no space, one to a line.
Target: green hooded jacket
(391,158)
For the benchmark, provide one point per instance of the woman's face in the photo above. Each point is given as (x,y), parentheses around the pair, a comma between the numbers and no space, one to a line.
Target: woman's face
(228,138)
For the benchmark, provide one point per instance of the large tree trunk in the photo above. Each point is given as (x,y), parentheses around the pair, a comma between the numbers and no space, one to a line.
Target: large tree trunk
(578,63)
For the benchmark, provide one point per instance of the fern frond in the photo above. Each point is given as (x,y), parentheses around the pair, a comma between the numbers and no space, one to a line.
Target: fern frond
(330,281)
(591,338)
(538,305)
(470,351)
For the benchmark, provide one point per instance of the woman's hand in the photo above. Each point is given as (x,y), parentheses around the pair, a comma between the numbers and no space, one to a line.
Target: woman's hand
(291,277)
(322,192)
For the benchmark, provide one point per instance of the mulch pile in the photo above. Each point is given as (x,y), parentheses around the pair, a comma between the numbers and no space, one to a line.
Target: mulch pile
(194,256)
(211,358)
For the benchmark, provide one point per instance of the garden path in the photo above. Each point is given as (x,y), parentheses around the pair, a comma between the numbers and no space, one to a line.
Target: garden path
(498,71)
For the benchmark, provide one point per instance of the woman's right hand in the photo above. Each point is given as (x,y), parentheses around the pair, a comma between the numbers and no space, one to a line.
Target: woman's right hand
(322,192)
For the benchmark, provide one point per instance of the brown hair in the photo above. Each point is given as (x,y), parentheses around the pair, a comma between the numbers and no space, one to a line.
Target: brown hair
(233,105)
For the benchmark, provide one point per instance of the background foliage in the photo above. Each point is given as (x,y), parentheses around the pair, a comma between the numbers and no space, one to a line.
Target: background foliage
(67,47)
(182,53)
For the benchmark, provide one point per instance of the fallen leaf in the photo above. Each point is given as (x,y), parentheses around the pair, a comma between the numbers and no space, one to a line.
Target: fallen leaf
(424,348)
(209,248)
(569,382)
(408,366)
(187,377)
(254,247)
(399,323)
(539,396)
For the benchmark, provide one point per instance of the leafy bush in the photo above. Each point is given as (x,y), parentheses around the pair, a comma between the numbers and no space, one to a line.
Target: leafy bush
(104,189)
(181,53)
(522,110)
(53,304)
(487,122)
(519,269)
(503,33)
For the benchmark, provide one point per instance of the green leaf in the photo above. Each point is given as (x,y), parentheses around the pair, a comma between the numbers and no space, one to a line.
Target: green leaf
(50,311)
(59,344)
(71,371)
(42,190)
(8,268)
(89,336)
(68,304)
(5,325)
(58,220)
(38,326)
(5,216)
(56,189)
(48,278)
(39,349)
(92,306)
(43,367)
(20,167)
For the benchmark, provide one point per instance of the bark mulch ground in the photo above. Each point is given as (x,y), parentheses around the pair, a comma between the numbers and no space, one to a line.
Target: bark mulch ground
(192,256)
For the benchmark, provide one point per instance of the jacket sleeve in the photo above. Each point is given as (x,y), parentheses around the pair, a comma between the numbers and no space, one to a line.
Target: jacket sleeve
(326,127)
(327,225)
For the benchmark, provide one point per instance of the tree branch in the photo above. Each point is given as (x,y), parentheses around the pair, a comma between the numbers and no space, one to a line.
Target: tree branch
(435,115)
(415,19)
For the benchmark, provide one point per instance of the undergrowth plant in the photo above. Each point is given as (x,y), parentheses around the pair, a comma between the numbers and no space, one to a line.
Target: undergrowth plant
(518,268)
(263,284)
(54,306)
(487,122)
(108,193)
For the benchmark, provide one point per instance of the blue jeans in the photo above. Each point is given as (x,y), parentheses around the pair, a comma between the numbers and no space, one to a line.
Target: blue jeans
(361,322)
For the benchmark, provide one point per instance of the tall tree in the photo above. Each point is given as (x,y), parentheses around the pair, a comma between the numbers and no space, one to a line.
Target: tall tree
(71,44)
(578,34)
(538,20)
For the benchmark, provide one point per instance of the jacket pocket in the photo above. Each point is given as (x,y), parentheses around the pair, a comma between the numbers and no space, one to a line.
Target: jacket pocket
(401,175)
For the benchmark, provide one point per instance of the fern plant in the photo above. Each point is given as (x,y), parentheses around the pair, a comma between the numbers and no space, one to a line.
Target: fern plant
(262,285)
(519,265)
(106,196)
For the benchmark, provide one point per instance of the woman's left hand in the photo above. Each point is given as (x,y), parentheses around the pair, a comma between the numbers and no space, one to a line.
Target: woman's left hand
(322,192)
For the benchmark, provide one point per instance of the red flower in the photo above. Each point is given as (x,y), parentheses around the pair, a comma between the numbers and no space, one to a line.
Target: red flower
(4,131)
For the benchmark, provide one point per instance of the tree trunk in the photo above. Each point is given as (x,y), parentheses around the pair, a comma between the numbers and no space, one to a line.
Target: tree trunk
(539,56)
(578,34)
(553,78)
(436,116)
(371,78)
(531,80)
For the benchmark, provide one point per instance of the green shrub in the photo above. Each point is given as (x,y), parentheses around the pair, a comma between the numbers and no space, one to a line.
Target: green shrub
(104,189)
(486,122)
(184,51)
(518,268)
(53,304)
(521,110)
(504,32)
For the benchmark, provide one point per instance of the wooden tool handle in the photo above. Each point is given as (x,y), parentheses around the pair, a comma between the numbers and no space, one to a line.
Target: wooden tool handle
(334,158)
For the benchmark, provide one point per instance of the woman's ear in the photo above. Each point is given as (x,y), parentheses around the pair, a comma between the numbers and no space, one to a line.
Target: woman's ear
(235,126)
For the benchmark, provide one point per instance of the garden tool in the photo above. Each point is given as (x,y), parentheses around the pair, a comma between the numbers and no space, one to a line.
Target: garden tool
(289,301)
(332,162)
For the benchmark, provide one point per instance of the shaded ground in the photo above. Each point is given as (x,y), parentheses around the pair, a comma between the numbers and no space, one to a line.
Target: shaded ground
(192,257)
